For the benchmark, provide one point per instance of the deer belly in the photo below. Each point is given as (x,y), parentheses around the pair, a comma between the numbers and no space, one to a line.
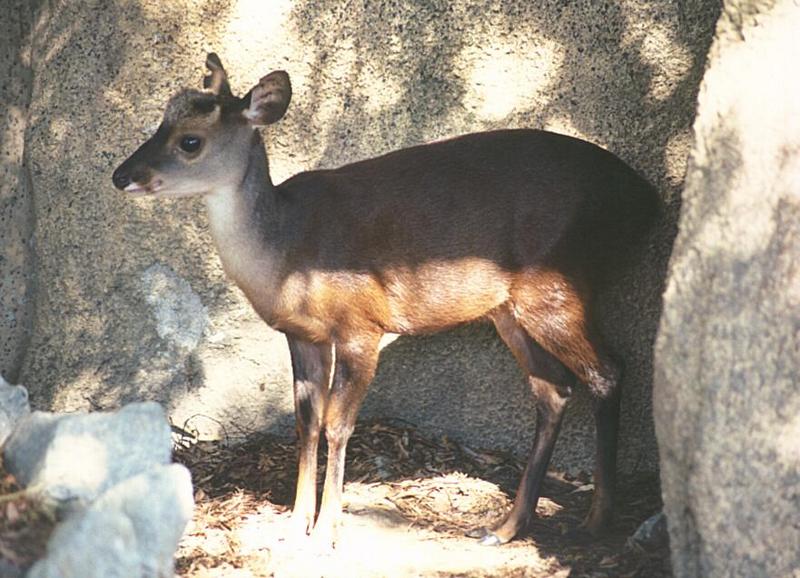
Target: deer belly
(438,295)
(421,299)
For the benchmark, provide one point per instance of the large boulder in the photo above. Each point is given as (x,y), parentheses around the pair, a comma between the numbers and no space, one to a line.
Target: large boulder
(727,397)
(73,458)
(131,530)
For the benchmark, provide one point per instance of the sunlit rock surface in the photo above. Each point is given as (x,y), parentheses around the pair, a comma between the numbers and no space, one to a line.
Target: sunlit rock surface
(727,395)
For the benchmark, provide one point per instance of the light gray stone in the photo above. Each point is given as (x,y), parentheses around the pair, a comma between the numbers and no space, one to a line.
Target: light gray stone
(131,530)
(727,372)
(73,458)
(14,406)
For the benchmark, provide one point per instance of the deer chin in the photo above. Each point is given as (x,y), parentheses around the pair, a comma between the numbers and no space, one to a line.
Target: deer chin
(166,193)
(158,190)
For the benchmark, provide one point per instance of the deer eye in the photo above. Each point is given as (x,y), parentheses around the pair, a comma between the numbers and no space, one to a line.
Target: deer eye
(191,144)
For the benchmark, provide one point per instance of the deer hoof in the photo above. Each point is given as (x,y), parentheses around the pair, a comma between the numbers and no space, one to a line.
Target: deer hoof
(485,537)
(490,539)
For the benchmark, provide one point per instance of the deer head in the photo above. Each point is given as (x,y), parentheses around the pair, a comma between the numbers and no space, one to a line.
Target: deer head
(202,143)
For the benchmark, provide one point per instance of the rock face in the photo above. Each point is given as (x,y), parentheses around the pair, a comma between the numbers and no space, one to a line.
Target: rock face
(73,458)
(119,282)
(16,213)
(727,393)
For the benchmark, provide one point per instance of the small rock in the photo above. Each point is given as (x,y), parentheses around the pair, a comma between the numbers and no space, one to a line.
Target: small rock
(651,535)
(131,530)
(382,464)
(73,458)
(13,407)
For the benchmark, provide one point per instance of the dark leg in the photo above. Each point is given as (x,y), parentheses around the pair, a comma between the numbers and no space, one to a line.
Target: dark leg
(311,367)
(585,356)
(563,328)
(356,360)
(605,470)
(551,384)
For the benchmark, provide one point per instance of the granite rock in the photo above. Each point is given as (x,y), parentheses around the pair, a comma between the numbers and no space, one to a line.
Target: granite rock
(726,392)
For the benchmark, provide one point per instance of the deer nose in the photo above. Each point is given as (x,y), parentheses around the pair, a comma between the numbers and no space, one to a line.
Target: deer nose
(121,178)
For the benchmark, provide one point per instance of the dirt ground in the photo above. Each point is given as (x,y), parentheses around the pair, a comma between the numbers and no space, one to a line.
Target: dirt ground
(409,502)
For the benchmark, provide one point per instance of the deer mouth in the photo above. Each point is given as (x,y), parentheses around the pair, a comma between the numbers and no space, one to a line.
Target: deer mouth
(135,189)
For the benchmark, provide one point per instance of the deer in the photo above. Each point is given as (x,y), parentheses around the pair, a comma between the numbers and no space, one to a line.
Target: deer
(520,227)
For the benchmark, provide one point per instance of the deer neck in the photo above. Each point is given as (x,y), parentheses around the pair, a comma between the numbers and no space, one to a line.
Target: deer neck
(244,222)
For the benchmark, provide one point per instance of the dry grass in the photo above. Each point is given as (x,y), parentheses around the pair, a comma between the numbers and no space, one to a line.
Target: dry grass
(25,527)
(434,489)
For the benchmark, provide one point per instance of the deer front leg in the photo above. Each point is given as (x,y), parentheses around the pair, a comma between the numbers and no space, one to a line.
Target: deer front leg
(311,368)
(356,360)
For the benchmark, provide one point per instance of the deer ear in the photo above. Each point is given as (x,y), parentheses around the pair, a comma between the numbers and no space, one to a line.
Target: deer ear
(269,99)
(217,79)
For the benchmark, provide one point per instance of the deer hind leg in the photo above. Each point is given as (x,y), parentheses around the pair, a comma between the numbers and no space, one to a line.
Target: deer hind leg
(311,368)
(605,470)
(561,325)
(551,383)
